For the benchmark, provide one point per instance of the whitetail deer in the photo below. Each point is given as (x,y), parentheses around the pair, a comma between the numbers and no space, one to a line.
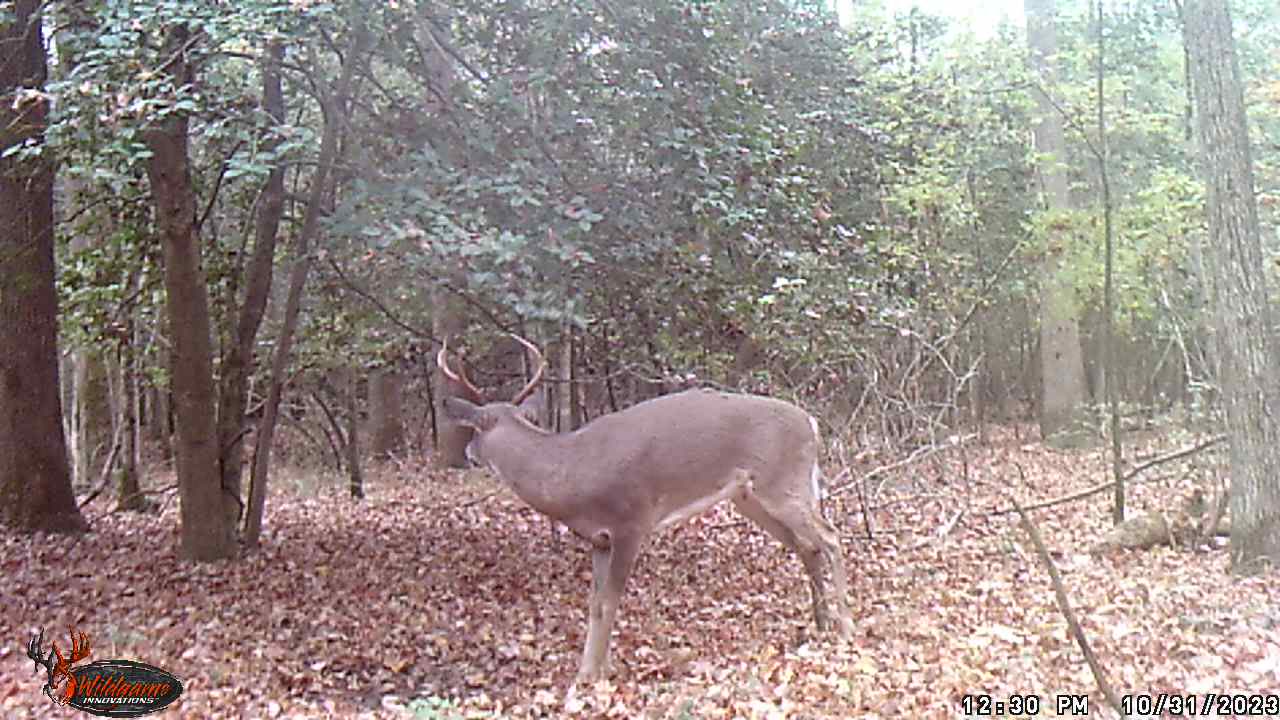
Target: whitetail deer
(624,476)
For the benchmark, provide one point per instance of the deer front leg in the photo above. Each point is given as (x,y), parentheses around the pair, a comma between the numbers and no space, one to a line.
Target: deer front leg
(611,561)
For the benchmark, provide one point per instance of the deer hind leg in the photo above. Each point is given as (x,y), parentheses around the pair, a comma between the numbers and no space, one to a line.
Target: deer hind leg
(797,525)
(824,536)
(611,562)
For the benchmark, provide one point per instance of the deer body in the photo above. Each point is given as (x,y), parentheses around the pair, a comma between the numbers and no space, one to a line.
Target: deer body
(626,475)
(546,470)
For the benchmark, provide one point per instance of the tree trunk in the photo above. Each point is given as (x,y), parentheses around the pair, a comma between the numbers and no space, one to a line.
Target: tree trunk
(92,413)
(567,417)
(334,104)
(158,419)
(452,440)
(386,412)
(1061,363)
(351,389)
(1248,367)
(447,318)
(237,365)
(208,512)
(35,478)
(129,495)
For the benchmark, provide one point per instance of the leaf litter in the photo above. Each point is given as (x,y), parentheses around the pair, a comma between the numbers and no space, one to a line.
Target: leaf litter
(414,603)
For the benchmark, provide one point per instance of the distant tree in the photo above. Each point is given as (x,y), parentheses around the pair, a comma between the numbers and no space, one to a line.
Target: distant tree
(1247,352)
(1061,362)
(386,412)
(35,477)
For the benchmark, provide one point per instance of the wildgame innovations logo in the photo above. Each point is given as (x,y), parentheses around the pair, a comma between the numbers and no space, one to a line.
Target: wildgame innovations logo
(109,688)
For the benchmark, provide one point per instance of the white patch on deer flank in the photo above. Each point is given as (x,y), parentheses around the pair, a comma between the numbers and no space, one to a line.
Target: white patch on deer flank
(815,475)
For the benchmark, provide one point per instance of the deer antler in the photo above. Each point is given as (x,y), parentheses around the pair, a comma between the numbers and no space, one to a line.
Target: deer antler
(79,650)
(33,651)
(58,666)
(537,374)
(442,360)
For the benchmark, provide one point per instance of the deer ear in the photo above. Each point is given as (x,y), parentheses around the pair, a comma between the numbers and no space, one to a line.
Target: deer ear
(466,412)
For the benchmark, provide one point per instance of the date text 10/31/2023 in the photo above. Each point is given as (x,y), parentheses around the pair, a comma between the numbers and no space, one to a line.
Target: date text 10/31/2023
(1220,704)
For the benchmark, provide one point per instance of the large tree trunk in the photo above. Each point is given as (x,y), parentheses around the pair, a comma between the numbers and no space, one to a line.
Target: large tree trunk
(1061,363)
(1248,366)
(447,316)
(208,512)
(35,478)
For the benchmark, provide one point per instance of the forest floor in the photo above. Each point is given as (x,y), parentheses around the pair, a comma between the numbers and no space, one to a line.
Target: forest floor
(442,596)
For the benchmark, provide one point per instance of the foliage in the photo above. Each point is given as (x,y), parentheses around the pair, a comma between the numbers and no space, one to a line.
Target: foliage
(690,184)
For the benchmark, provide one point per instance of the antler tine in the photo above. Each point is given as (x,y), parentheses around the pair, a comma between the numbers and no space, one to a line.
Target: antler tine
(537,375)
(79,647)
(34,650)
(442,360)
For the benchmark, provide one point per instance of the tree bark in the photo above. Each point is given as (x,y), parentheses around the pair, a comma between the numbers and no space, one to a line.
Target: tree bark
(35,477)
(447,316)
(129,490)
(334,104)
(91,412)
(237,365)
(208,511)
(452,437)
(351,390)
(1248,366)
(386,412)
(1061,362)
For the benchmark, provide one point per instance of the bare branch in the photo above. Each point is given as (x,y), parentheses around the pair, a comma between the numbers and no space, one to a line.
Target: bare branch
(1111,483)
(917,455)
(1064,605)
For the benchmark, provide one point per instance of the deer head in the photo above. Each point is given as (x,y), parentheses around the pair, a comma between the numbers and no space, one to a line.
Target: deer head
(58,667)
(627,475)
(523,400)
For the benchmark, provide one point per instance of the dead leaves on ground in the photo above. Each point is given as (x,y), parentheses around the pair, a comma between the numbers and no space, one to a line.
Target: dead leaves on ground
(414,603)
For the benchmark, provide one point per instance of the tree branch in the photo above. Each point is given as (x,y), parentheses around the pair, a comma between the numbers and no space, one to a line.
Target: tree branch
(1064,605)
(1110,483)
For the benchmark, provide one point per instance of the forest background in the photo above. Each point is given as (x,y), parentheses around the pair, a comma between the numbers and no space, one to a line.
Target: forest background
(264,217)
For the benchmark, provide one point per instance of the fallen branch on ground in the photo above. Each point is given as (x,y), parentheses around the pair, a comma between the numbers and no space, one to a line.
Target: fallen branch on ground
(469,503)
(1111,483)
(1064,605)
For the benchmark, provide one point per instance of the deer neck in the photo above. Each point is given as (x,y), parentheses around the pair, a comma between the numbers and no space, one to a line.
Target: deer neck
(531,464)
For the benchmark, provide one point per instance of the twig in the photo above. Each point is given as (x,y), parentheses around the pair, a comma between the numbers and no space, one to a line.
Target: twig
(469,503)
(1175,455)
(1060,592)
(382,308)
(105,477)
(918,454)
(943,532)
(121,507)
(1110,483)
